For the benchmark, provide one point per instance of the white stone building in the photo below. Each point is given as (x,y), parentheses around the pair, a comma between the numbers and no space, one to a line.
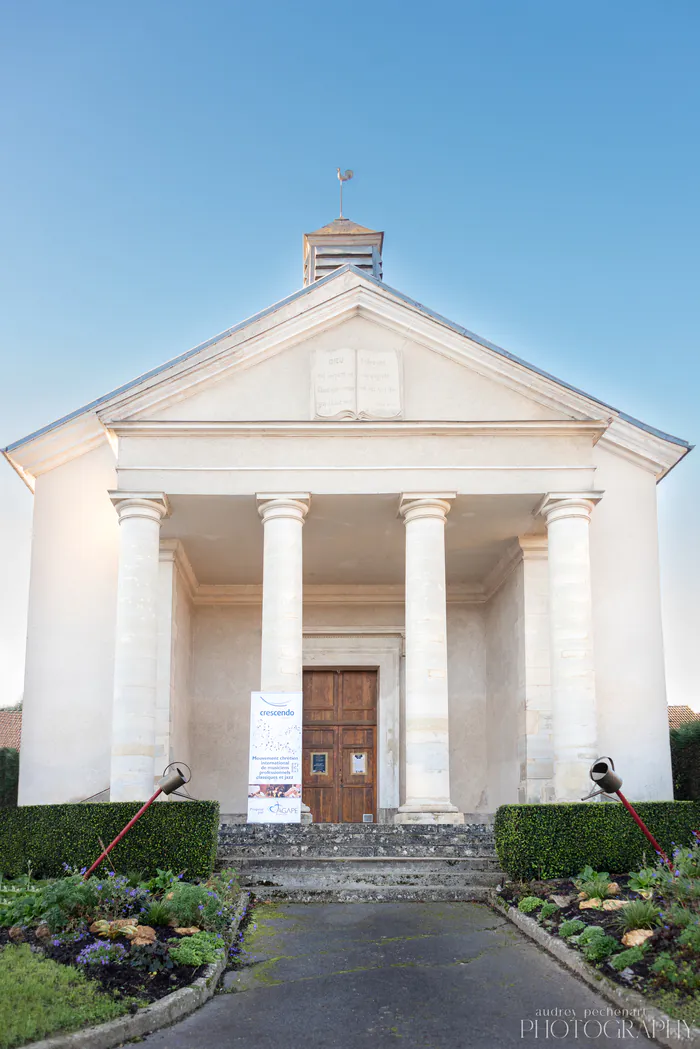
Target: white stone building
(455,552)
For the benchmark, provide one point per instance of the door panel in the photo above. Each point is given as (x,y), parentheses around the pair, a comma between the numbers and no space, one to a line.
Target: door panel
(339,746)
(357,773)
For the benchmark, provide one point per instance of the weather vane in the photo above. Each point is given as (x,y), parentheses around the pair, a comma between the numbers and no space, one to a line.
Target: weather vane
(341,179)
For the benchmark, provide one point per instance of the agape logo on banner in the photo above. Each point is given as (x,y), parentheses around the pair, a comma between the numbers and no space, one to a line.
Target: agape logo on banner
(274,776)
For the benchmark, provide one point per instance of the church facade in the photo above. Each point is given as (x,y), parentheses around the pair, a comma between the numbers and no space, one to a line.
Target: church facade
(453,554)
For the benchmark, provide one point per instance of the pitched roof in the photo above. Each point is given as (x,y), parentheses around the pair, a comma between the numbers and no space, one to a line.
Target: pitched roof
(342,226)
(681,715)
(309,289)
(10,728)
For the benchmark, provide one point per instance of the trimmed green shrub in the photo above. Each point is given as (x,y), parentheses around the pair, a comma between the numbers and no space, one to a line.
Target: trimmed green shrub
(177,835)
(557,841)
(685,760)
(528,904)
(548,909)
(9,776)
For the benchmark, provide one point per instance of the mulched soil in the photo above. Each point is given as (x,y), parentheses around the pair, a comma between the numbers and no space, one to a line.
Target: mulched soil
(662,940)
(118,980)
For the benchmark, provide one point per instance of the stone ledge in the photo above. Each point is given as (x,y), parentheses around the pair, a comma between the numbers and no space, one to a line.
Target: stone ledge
(162,1013)
(616,995)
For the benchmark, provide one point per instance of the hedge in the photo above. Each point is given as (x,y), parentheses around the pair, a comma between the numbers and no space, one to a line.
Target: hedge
(557,841)
(685,758)
(178,836)
(9,776)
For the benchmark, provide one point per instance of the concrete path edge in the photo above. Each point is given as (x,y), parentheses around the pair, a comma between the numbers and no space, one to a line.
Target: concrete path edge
(616,995)
(162,1013)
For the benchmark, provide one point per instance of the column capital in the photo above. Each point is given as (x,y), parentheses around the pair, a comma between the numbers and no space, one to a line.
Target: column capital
(154,506)
(556,506)
(273,505)
(415,505)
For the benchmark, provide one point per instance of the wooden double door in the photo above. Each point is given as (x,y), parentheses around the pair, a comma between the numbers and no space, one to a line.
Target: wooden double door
(340,745)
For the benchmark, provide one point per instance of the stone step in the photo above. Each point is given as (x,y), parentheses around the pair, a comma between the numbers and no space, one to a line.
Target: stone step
(237,840)
(459,878)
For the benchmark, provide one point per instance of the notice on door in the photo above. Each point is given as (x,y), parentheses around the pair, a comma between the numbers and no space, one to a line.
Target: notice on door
(359,764)
(274,778)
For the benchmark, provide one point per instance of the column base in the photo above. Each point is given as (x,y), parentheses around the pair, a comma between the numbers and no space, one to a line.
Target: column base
(424,815)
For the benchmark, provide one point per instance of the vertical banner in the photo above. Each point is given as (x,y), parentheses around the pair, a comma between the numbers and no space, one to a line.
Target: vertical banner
(274,779)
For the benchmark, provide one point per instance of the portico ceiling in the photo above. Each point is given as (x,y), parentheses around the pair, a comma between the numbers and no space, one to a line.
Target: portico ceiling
(347,539)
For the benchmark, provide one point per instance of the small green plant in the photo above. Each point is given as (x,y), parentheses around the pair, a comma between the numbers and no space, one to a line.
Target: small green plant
(591,933)
(151,957)
(690,937)
(200,949)
(681,916)
(197,905)
(187,902)
(116,898)
(644,881)
(66,900)
(638,914)
(101,954)
(665,968)
(161,882)
(596,888)
(571,927)
(547,910)
(113,930)
(600,948)
(627,958)
(528,904)
(157,914)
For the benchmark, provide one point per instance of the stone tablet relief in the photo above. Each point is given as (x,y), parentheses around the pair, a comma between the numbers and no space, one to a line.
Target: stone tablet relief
(356,384)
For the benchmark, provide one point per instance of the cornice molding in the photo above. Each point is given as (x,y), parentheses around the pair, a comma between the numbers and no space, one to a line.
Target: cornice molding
(593,428)
(57,447)
(314,594)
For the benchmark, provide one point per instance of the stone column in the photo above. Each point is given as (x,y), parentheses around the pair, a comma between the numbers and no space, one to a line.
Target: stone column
(281,656)
(427,727)
(574,721)
(136,649)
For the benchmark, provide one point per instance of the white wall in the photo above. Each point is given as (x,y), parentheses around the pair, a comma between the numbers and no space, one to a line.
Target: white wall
(226,668)
(505,678)
(628,640)
(466,675)
(181,696)
(66,730)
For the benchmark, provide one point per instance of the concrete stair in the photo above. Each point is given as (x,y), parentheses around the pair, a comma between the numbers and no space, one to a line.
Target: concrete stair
(356,861)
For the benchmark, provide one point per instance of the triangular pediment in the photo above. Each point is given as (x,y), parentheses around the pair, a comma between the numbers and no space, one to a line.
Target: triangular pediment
(268,368)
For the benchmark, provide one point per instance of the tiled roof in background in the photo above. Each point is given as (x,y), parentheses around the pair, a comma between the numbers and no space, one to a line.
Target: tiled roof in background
(678,716)
(10,728)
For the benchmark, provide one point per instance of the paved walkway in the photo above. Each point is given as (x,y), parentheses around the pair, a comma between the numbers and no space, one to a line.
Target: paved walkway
(403,975)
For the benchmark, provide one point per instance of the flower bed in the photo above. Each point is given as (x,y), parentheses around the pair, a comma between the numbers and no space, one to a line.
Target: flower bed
(641,929)
(134,940)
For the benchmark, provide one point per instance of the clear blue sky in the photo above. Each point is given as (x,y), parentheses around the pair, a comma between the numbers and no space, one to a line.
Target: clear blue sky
(535,166)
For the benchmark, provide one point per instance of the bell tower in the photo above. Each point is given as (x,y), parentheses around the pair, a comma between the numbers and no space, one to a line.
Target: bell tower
(342,243)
